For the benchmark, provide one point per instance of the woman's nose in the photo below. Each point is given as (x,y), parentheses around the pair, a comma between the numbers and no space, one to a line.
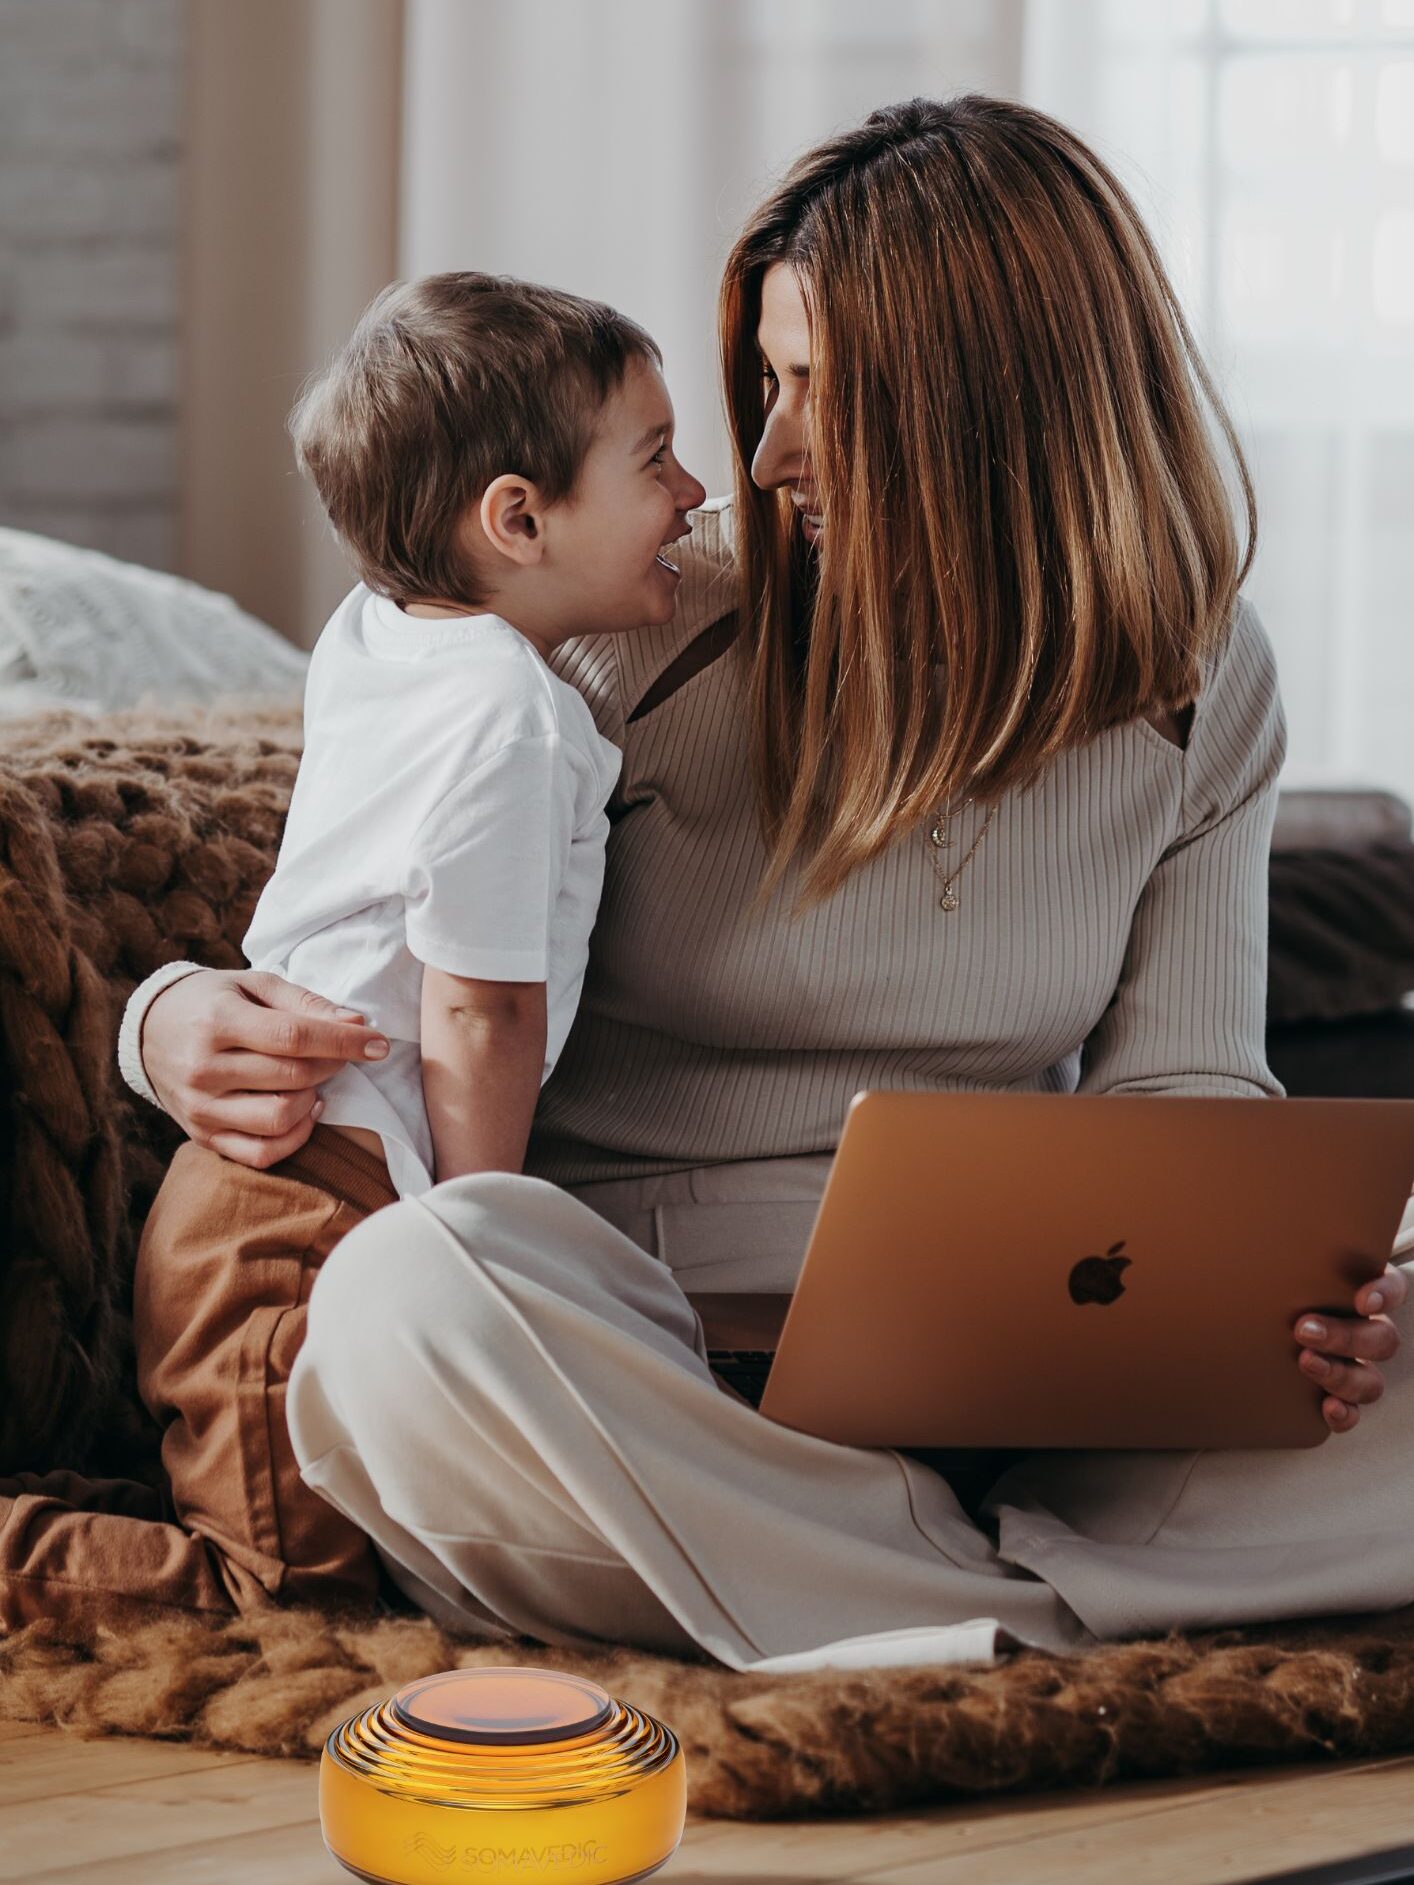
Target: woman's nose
(780,455)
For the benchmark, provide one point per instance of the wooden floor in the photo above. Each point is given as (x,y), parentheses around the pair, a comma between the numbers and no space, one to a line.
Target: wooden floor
(154,1813)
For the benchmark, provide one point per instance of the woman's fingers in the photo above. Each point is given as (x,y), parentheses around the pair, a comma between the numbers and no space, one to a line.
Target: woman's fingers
(273,1115)
(1348,1381)
(1385,1296)
(1340,1352)
(274,991)
(259,1153)
(1339,1416)
(244,1056)
(1348,1337)
(234,1072)
(267,1015)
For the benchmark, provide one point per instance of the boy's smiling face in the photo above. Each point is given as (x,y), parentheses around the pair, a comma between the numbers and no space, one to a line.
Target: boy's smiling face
(607,560)
(599,561)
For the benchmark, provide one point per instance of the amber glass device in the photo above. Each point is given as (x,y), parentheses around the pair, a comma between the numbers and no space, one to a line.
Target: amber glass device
(500,1775)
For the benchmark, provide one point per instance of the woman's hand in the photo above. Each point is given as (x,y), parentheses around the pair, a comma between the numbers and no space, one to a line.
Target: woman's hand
(1339,1352)
(237,1057)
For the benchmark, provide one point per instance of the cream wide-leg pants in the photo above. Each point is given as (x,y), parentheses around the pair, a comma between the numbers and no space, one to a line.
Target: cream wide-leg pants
(504,1384)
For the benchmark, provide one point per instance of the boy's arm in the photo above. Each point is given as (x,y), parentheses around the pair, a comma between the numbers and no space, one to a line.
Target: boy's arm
(483,1055)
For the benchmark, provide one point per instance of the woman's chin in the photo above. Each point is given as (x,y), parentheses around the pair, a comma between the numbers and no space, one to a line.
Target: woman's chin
(812,532)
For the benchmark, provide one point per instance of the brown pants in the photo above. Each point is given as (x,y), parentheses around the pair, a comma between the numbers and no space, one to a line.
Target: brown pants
(224,1272)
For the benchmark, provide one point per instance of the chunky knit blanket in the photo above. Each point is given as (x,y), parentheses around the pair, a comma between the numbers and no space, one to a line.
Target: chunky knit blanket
(122,846)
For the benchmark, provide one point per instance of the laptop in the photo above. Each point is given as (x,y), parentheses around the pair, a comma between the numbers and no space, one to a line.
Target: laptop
(1022,1270)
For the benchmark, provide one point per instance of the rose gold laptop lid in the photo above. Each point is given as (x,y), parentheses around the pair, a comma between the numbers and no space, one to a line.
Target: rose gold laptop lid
(1068,1270)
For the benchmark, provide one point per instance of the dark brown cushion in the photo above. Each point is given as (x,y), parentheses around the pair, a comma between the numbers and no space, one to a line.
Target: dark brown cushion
(1341,931)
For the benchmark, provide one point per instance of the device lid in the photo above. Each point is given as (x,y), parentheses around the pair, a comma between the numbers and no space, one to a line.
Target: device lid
(510,1707)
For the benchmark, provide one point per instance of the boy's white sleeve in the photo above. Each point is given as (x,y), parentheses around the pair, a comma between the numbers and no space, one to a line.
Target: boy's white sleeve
(486,865)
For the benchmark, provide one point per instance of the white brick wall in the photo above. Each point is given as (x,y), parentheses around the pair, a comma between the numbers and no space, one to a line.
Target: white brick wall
(90,128)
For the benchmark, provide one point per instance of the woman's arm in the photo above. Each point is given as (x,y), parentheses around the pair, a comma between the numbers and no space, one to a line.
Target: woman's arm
(236,1057)
(1189,1014)
(483,1058)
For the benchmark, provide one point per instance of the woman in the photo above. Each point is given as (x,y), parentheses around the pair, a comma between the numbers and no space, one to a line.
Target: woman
(956,769)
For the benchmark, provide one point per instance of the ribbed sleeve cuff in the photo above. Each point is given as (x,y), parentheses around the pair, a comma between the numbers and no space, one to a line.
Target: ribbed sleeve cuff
(130,1033)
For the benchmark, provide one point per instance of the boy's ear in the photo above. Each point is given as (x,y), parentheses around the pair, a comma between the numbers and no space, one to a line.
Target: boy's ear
(510,514)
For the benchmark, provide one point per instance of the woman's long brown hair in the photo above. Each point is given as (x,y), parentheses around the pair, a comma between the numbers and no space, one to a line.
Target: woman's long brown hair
(1027,534)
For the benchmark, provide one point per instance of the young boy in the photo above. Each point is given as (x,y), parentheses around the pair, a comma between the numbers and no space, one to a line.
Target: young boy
(496,460)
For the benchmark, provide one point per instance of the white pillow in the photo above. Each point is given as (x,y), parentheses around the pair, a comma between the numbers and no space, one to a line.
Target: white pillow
(82,630)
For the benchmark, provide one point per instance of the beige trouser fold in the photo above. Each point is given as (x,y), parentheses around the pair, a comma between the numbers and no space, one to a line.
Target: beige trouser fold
(511,1396)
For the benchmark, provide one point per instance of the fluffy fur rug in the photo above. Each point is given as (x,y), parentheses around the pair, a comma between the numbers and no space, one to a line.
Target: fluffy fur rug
(770,1747)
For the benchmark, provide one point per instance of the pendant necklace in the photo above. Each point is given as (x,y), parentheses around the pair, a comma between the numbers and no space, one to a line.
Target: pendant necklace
(938,840)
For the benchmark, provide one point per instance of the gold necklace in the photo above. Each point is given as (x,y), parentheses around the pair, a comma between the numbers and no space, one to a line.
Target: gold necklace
(938,839)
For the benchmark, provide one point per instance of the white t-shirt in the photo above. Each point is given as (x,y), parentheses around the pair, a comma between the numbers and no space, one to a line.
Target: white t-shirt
(449,811)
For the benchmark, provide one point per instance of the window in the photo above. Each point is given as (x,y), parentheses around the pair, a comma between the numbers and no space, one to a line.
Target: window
(1270,145)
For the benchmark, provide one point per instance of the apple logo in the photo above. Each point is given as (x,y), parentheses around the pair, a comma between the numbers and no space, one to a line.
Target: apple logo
(1097,1279)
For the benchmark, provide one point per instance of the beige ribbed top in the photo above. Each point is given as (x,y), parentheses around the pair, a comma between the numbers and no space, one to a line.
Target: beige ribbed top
(1111,934)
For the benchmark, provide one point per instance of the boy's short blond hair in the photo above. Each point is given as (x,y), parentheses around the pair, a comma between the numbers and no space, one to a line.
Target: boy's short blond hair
(446,383)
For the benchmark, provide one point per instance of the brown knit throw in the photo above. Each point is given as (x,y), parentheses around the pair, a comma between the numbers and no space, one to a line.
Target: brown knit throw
(123,844)
(143,837)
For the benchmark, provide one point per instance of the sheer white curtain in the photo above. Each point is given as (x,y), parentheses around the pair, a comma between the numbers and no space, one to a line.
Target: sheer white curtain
(1270,144)
(614,147)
